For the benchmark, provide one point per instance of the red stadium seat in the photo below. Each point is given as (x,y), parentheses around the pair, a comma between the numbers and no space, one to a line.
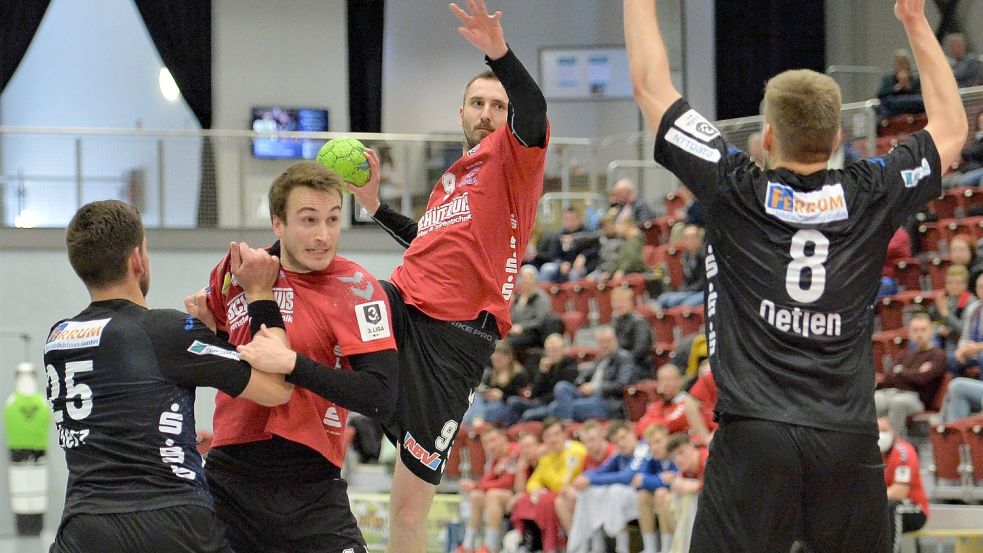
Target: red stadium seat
(572,322)
(944,207)
(937,268)
(453,468)
(650,256)
(476,455)
(634,281)
(559,296)
(970,226)
(652,232)
(638,396)
(887,348)
(972,198)
(517,430)
(662,326)
(686,320)
(909,274)
(661,354)
(934,237)
(600,293)
(579,297)
(946,442)
(582,354)
(891,310)
(974,437)
(904,124)
(673,203)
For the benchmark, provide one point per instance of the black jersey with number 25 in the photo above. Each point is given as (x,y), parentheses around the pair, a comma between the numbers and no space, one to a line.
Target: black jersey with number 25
(121,381)
(793,265)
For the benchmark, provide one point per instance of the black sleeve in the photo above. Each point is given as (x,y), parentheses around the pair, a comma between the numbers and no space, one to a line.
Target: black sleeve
(909,176)
(264,312)
(189,354)
(399,226)
(527,105)
(369,388)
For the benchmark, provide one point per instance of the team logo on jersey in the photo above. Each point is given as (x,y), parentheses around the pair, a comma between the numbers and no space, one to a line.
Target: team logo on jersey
(201,348)
(448,180)
(76,335)
(474,150)
(912,177)
(456,211)
(364,292)
(692,147)
(429,460)
(792,206)
(373,320)
(697,125)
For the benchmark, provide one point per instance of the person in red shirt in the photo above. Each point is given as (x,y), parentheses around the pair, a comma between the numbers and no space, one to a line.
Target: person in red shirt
(685,486)
(450,297)
(701,401)
(669,408)
(599,449)
(490,495)
(275,472)
(907,502)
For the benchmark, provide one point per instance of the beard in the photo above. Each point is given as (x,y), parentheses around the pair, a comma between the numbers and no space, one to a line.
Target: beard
(472,138)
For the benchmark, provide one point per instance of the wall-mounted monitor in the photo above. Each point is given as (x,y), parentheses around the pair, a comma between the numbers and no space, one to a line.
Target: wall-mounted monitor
(585,73)
(277,119)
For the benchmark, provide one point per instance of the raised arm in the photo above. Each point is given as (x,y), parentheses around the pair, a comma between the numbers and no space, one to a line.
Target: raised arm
(649,62)
(946,116)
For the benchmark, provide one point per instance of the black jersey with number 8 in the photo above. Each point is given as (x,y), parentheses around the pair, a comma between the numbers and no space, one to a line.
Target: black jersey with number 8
(793,265)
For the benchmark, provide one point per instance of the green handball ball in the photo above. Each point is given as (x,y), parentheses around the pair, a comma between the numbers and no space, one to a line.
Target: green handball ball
(346,157)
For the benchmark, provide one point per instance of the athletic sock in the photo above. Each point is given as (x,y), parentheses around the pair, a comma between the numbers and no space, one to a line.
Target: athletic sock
(650,543)
(597,542)
(621,541)
(469,535)
(666,542)
(493,539)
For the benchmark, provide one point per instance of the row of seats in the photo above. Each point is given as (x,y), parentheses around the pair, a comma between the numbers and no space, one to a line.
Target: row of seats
(935,237)
(958,454)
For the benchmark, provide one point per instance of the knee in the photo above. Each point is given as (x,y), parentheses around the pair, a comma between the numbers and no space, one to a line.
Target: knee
(564,388)
(477,496)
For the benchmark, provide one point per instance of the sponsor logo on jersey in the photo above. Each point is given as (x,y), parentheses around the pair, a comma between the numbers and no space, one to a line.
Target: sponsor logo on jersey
(448,180)
(456,211)
(331,418)
(800,321)
(820,206)
(692,147)
(237,313)
(697,125)
(429,460)
(201,348)
(76,335)
(474,150)
(373,320)
(912,177)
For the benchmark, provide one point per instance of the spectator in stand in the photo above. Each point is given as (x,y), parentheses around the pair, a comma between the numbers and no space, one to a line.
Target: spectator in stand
(624,199)
(701,401)
(900,90)
(910,386)
(629,259)
(964,251)
(601,246)
(598,391)
(965,66)
(604,501)
(970,345)
(489,496)
(969,171)
(963,398)
(685,487)
(691,213)
(555,366)
(599,450)
(755,149)
(531,307)
(654,497)
(562,251)
(530,450)
(899,248)
(633,331)
(949,309)
(669,409)
(694,273)
(907,502)
(562,462)
(504,379)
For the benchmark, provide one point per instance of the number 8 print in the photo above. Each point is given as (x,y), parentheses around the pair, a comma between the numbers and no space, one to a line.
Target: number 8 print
(801,261)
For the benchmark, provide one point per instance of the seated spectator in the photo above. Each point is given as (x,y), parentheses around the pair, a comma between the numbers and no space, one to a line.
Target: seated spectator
(489,496)
(555,366)
(898,248)
(900,90)
(965,66)
(654,497)
(948,311)
(685,487)
(562,462)
(633,331)
(530,450)
(969,172)
(755,149)
(531,307)
(694,273)
(602,500)
(970,346)
(963,398)
(624,199)
(562,252)
(669,409)
(599,449)
(504,379)
(598,391)
(964,251)
(906,499)
(691,213)
(910,386)
(701,401)
(629,259)
(603,246)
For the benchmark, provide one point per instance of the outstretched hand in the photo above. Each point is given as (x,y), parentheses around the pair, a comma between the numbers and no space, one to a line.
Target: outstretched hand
(196,306)
(482,30)
(909,10)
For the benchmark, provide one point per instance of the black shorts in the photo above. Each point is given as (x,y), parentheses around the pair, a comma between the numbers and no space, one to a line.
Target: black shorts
(769,484)
(180,529)
(440,365)
(298,506)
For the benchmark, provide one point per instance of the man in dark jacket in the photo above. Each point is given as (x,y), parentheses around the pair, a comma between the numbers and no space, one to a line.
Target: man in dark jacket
(633,331)
(597,393)
(554,367)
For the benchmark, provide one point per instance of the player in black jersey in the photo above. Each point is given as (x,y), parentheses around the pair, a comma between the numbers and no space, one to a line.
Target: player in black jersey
(793,263)
(121,383)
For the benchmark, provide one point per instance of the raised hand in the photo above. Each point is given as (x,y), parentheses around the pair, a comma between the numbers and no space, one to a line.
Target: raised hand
(367,195)
(483,31)
(909,10)
(196,306)
(255,270)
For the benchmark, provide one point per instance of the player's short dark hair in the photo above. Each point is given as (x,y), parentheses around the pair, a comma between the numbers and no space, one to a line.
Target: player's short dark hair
(550,422)
(487,74)
(676,441)
(803,109)
(100,238)
(304,173)
(617,426)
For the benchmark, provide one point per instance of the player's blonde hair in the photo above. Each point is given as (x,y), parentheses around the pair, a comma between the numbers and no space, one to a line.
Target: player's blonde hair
(305,173)
(803,109)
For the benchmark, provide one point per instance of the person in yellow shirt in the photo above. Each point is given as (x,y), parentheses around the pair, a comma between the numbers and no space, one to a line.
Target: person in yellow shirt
(562,462)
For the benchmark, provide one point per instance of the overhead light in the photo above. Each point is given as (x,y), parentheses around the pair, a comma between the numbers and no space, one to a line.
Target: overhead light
(168,88)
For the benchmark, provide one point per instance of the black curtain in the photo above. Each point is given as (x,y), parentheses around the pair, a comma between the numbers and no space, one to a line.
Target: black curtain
(19,20)
(757,39)
(365,29)
(182,33)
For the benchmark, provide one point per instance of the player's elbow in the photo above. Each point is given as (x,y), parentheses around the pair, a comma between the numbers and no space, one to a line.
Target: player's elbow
(277,396)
